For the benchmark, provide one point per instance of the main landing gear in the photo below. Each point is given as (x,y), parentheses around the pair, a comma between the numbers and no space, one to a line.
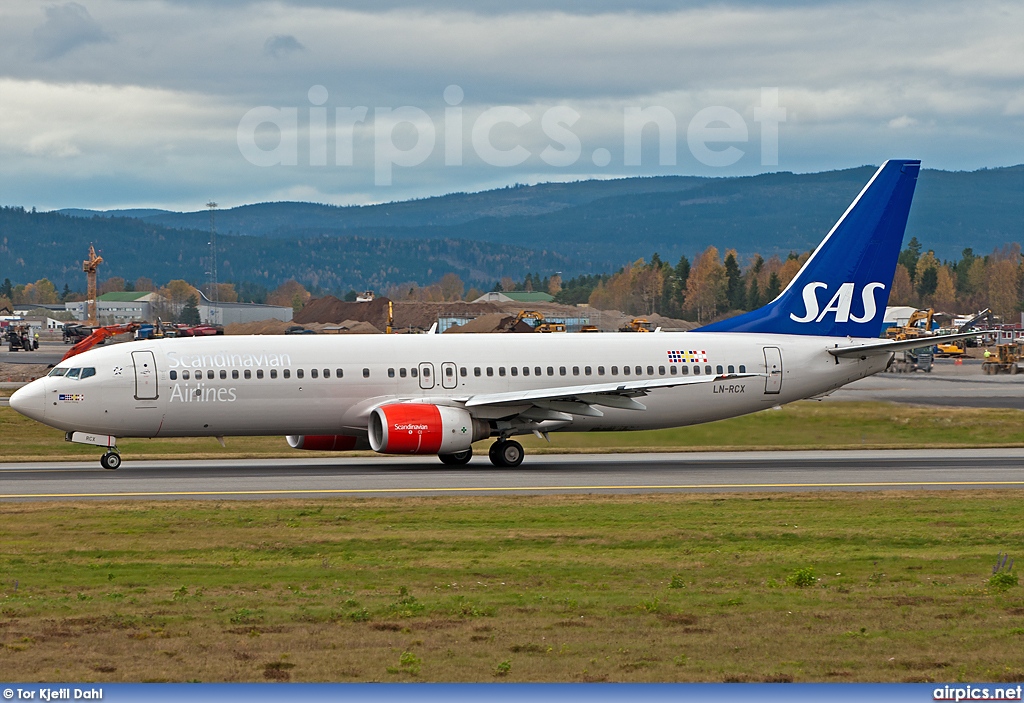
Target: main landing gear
(506,453)
(111,461)
(456,459)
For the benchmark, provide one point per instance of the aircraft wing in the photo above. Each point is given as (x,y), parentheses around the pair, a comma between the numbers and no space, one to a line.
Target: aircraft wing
(887,346)
(580,400)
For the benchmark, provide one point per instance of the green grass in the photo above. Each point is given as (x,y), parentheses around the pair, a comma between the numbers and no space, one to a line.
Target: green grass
(806,425)
(888,586)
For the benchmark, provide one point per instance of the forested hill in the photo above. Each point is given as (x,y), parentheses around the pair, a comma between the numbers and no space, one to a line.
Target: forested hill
(590,226)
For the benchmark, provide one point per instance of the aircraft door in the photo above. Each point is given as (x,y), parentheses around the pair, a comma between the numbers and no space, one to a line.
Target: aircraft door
(145,375)
(773,365)
(426,375)
(449,375)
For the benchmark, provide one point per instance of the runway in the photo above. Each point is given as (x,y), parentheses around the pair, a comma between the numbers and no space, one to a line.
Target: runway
(539,475)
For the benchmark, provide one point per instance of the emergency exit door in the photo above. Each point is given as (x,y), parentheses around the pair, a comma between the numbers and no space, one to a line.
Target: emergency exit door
(145,375)
(773,365)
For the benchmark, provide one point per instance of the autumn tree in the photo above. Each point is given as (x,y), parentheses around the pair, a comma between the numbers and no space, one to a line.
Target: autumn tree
(115,284)
(706,286)
(1004,282)
(902,292)
(555,285)
(290,294)
(225,293)
(144,284)
(452,287)
(944,297)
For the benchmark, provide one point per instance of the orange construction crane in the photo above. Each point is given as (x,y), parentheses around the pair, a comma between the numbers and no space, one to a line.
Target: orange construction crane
(89,266)
(98,336)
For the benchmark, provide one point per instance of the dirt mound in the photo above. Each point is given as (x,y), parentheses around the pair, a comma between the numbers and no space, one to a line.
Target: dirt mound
(330,310)
(258,327)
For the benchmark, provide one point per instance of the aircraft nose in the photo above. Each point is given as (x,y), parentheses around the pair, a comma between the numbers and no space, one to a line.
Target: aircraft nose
(30,400)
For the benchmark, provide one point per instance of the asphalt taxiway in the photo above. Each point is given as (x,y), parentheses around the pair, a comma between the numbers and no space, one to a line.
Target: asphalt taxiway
(541,474)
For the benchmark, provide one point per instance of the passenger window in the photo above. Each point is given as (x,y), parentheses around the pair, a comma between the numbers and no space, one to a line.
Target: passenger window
(625,370)
(536,371)
(299,373)
(615,371)
(338,373)
(234,373)
(732,369)
(391,373)
(600,371)
(707,370)
(561,370)
(327,373)
(184,375)
(476,371)
(551,371)
(463,371)
(209,374)
(174,375)
(696,370)
(661,370)
(672,370)
(743,369)
(639,370)
(402,372)
(587,370)
(287,373)
(575,370)
(719,370)
(273,373)
(426,372)
(259,373)
(515,371)
(685,370)
(313,373)
(501,370)
(248,373)
(366,373)
(88,371)
(526,370)
(449,371)
(223,373)
(650,370)
(490,370)
(414,372)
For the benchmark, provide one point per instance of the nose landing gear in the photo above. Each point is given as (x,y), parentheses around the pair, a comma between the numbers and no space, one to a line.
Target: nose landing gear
(111,461)
(506,453)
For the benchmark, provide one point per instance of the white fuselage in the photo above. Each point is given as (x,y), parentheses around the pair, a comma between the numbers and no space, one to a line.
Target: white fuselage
(238,385)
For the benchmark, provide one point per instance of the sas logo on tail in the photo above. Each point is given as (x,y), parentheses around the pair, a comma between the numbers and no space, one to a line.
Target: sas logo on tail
(840,303)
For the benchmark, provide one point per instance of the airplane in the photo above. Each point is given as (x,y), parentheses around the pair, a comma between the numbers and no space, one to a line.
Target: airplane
(439,394)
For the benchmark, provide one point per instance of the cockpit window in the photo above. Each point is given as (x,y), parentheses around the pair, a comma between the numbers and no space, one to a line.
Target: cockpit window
(74,373)
(87,372)
(59,371)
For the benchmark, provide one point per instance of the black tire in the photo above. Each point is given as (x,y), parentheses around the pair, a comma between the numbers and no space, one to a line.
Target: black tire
(456,459)
(494,455)
(111,461)
(511,454)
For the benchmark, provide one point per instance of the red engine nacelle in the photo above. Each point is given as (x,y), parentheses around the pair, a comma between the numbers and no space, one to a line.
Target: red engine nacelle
(418,428)
(326,442)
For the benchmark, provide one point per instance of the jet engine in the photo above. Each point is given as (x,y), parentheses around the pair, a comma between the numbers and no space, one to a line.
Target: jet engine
(418,428)
(326,442)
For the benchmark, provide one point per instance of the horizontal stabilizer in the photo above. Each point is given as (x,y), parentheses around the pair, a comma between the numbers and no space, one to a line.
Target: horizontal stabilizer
(888,346)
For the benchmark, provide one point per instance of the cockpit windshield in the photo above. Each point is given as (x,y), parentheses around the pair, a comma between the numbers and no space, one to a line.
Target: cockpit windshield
(76,374)
(59,371)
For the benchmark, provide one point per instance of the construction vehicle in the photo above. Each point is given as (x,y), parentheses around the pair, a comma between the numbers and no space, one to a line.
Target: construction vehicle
(99,336)
(956,349)
(542,325)
(1006,359)
(590,328)
(73,333)
(89,266)
(914,327)
(19,338)
(637,324)
(912,360)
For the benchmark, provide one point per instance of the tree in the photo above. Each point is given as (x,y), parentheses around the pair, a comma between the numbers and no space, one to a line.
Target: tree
(554,285)
(452,287)
(190,311)
(902,292)
(144,284)
(176,293)
(753,295)
(1004,286)
(734,292)
(7,290)
(773,289)
(927,282)
(648,283)
(706,286)
(114,284)
(65,293)
(909,256)
(291,294)
(944,297)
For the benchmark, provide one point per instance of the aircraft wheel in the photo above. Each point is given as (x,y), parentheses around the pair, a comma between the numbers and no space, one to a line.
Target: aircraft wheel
(111,461)
(456,459)
(508,454)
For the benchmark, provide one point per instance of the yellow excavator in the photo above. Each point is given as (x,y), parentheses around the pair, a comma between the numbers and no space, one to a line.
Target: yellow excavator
(637,324)
(913,329)
(542,325)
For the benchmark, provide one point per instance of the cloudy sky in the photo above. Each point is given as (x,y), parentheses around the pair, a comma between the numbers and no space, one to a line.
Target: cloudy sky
(142,103)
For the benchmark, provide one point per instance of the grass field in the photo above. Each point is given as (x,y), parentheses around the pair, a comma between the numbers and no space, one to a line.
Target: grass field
(825,587)
(803,425)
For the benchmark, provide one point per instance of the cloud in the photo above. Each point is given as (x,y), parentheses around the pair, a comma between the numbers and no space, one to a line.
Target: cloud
(281,45)
(67,27)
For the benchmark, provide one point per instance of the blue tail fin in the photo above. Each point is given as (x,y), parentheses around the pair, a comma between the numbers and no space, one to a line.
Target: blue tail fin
(843,288)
